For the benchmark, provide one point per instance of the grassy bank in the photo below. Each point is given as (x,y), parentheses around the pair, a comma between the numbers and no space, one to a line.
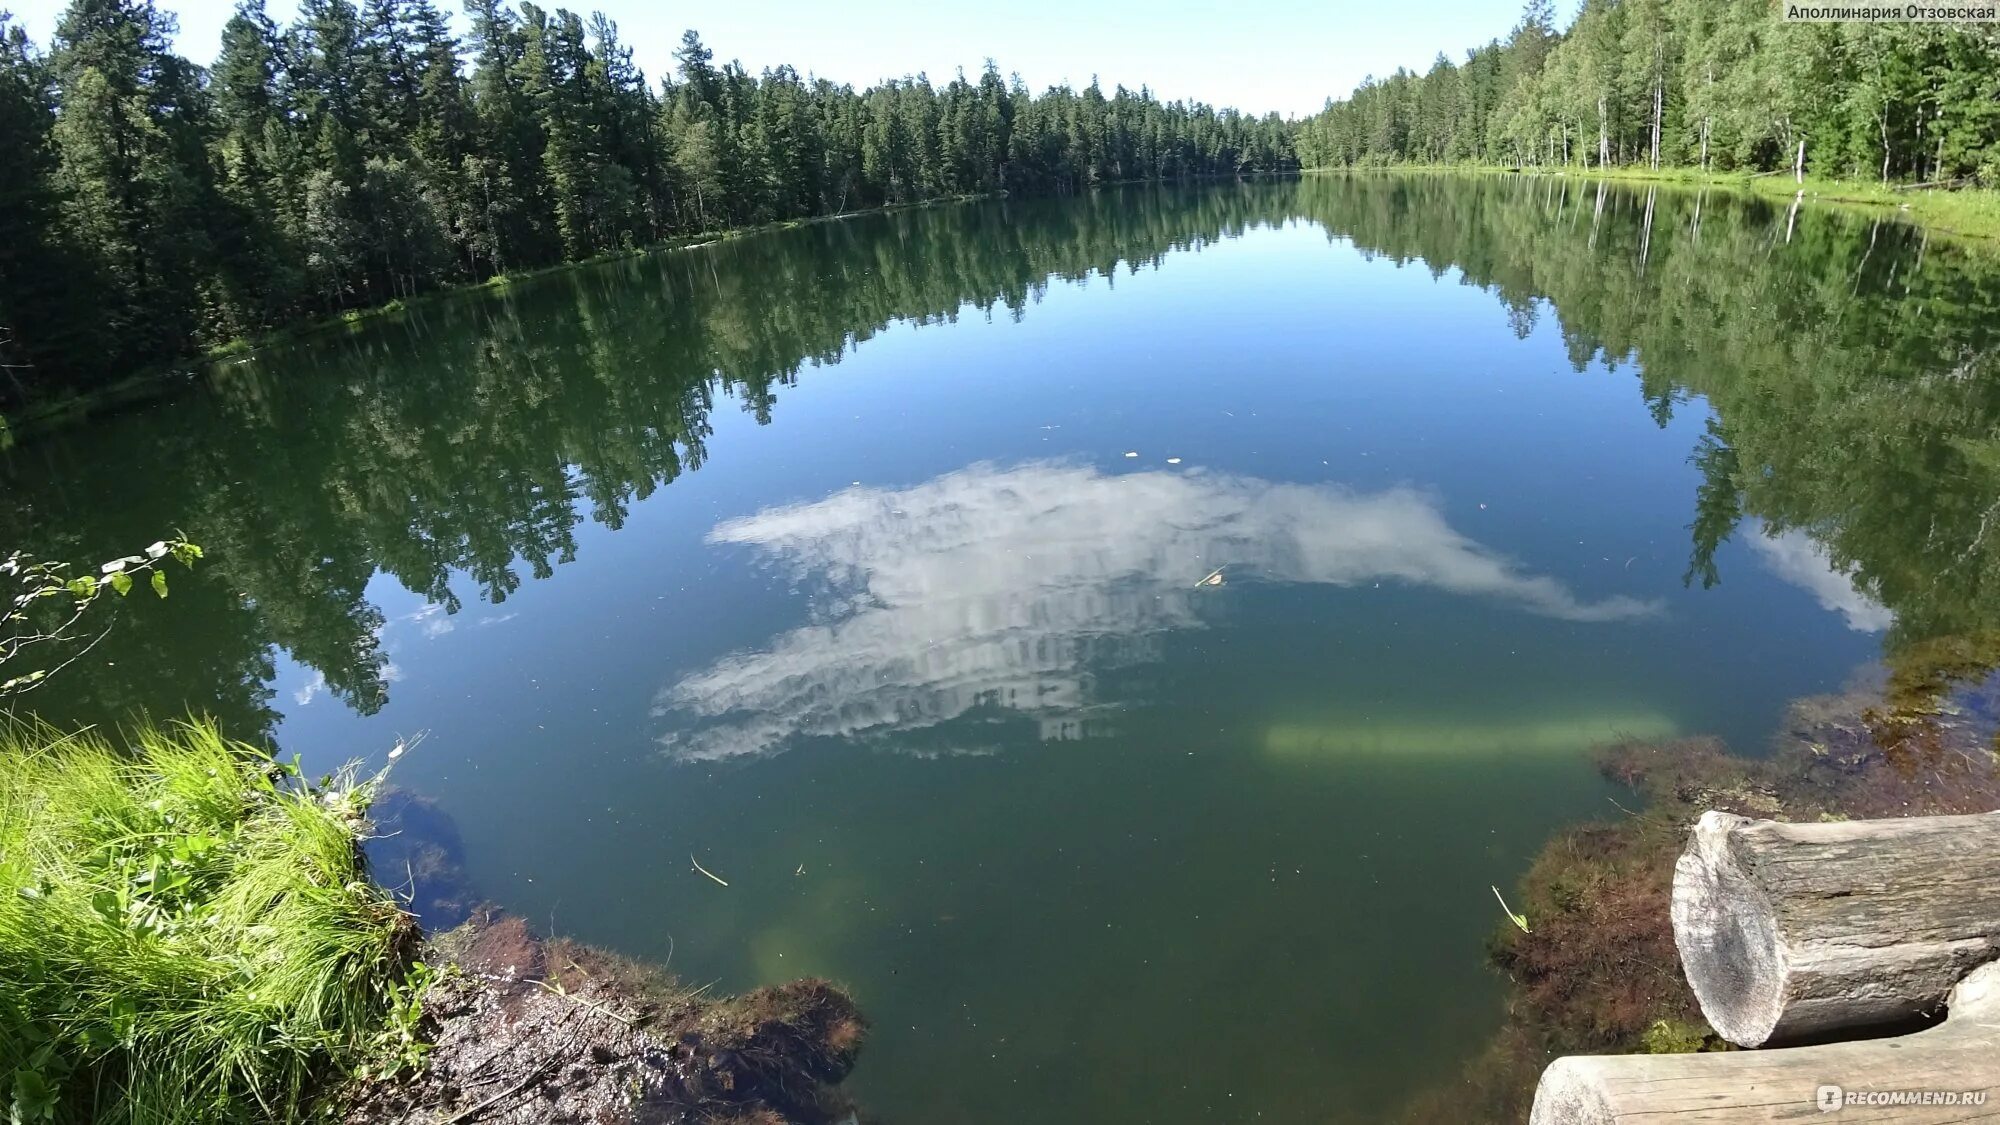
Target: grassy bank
(187,931)
(189,936)
(1967,212)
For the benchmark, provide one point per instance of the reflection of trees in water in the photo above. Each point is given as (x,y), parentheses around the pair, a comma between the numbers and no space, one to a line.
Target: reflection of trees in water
(1853,366)
(1018,587)
(474,434)
(1846,359)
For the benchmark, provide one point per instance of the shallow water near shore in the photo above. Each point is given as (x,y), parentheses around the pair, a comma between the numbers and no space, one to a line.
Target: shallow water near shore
(1123,638)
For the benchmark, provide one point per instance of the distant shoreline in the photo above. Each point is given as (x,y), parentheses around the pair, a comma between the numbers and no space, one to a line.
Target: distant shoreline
(40,418)
(1965,212)
(1970,213)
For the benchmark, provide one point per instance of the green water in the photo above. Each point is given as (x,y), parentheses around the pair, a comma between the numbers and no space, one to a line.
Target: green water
(864,563)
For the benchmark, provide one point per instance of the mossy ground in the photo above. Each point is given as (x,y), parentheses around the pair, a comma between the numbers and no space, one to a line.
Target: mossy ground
(1597,971)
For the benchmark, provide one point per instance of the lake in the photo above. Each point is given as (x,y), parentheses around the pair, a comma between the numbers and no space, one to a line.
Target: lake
(1123,638)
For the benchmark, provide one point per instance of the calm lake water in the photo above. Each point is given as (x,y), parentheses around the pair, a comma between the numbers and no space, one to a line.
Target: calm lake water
(864,563)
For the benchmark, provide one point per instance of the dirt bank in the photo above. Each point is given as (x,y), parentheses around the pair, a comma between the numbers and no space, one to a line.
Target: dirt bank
(529,1030)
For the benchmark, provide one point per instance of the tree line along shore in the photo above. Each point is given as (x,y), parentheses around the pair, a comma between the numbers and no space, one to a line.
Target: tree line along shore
(354,157)
(366,153)
(1713,85)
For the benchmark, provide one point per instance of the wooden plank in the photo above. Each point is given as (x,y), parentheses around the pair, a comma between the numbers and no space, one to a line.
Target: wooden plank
(1959,1057)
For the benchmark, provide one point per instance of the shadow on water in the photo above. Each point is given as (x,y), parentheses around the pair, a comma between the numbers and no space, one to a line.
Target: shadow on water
(416,850)
(1261,886)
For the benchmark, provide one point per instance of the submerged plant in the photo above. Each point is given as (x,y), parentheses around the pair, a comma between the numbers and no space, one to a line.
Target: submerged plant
(187,931)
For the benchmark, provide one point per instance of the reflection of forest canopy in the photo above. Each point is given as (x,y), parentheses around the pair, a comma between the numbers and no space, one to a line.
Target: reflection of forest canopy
(1851,364)
(1847,362)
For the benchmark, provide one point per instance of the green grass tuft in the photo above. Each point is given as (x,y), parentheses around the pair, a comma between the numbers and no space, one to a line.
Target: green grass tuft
(187,931)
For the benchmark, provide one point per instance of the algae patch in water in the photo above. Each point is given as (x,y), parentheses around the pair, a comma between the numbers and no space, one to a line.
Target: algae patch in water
(1413,737)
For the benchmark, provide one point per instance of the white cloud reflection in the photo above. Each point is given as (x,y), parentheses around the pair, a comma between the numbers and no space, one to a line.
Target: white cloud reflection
(1006,587)
(310,689)
(1796,558)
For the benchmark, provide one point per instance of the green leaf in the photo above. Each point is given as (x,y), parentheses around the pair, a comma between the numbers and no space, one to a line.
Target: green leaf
(110,906)
(83,586)
(121,582)
(160,583)
(34,1097)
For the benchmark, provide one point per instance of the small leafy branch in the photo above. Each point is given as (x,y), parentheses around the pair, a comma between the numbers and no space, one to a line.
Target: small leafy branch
(49,602)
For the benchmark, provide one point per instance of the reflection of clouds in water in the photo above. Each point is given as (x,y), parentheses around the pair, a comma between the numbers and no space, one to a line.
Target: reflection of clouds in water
(432,620)
(1004,587)
(1798,559)
(310,689)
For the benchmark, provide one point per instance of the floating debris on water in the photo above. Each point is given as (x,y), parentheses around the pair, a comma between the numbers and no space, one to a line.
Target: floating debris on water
(705,871)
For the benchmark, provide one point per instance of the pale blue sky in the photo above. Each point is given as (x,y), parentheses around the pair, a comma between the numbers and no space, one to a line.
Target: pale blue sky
(1257,55)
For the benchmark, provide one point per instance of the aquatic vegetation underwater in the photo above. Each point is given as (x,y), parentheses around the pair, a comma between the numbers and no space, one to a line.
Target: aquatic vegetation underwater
(1559,734)
(187,931)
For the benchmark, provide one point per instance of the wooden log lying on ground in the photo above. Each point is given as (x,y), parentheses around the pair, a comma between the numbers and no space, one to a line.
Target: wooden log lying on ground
(1955,1066)
(1794,931)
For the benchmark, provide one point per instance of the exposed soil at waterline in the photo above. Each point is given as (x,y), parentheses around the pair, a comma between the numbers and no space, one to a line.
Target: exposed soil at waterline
(529,1030)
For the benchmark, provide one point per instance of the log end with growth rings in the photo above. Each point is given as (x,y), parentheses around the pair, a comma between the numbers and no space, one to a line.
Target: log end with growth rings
(1727,935)
(1572,1092)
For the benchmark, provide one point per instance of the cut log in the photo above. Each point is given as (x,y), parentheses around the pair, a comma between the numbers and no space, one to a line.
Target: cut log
(1946,1073)
(1794,931)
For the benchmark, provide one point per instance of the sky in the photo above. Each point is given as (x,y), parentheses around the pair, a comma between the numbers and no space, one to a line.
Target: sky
(1256,55)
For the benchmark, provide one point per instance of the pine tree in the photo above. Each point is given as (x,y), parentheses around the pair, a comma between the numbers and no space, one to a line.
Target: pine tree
(42,286)
(131,170)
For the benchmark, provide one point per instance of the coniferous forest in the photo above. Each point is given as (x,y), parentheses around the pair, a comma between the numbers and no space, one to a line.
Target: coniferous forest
(366,152)
(1712,84)
(362,154)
